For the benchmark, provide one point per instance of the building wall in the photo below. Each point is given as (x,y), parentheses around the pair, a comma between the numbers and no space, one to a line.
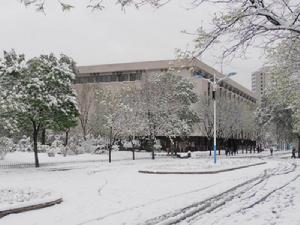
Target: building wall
(88,81)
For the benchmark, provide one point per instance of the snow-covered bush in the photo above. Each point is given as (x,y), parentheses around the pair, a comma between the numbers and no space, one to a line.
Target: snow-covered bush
(81,146)
(127,144)
(130,144)
(56,146)
(43,148)
(6,145)
(77,145)
(115,147)
(24,144)
(157,145)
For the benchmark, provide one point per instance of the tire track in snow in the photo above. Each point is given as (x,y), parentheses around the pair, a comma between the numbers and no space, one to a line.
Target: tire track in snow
(196,210)
(146,204)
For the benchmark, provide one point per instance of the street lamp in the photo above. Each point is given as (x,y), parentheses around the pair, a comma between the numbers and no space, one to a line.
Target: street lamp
(215,85)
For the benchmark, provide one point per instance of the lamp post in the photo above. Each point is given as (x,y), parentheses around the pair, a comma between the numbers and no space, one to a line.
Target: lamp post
(215,85)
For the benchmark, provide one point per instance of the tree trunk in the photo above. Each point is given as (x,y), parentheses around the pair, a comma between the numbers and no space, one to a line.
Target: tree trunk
(109,154)
(35,148)
(110,145)
(43,138)
(153,155)
(133,154)
(152,147)
(66,137)
(209,148)
(298,146)
(84,133)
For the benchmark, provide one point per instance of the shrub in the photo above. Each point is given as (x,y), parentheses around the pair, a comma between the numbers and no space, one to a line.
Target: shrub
(6,145)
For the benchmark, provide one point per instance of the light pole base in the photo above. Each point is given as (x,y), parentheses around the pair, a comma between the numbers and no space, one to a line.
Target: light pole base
(215,154)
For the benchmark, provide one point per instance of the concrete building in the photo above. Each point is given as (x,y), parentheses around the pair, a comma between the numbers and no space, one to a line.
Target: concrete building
(260,80)
(114,76)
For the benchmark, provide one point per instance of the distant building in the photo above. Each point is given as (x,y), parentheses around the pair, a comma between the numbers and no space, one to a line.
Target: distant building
(260,80)
(115,76)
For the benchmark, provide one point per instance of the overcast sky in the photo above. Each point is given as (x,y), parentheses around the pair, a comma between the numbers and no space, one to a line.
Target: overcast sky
(112,36)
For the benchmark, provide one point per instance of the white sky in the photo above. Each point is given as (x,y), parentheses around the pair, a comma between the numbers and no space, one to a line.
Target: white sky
(111,36)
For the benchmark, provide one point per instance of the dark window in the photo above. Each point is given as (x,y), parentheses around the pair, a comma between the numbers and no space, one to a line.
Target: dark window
(81,80)
(107,78)
(133,77)
(99,79)
(123,77)
(113,77)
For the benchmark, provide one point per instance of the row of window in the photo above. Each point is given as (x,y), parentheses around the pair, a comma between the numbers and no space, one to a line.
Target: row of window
(224,92)
(115,77)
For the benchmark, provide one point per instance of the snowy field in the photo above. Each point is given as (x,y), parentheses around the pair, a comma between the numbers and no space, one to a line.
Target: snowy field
(103,193)
(201,165)
(27,157)
(11,198)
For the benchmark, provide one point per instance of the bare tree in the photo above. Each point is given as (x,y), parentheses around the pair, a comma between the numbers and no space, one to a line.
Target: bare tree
(134,122)
(111,109)
(85,93)
(204,107)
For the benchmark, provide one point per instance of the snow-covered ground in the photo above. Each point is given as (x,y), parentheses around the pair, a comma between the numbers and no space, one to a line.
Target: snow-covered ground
(201,165)
(11,198)
(102,193)
(27,157)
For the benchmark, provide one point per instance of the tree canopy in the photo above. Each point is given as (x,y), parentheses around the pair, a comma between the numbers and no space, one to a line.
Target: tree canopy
(37,93)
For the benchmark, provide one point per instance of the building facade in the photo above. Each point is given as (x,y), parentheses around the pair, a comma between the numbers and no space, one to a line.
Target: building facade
(116,76)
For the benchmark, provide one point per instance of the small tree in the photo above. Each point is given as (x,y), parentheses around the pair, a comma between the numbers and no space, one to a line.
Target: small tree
(86,96)
(110,110)
(42,94)
(134,123)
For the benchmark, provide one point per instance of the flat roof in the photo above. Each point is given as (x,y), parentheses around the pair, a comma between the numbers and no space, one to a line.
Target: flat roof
(162,64)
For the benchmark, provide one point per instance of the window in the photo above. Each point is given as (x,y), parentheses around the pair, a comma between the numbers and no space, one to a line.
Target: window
(87,79)
(114,77)
(135,76)
(99,79)
(122,77)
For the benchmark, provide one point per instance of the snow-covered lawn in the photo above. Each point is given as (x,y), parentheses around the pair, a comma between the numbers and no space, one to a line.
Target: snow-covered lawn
(27,157)
(11,197)
(103,193)
(203,164)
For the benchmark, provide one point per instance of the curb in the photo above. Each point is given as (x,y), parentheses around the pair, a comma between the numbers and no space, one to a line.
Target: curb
(30,207)
(200,172)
